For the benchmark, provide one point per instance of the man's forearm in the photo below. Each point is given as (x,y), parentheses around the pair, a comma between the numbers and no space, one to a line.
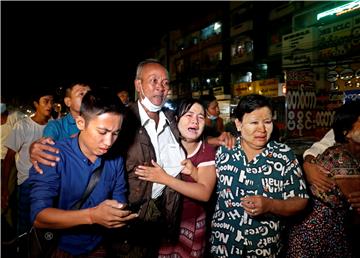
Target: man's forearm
(59,219)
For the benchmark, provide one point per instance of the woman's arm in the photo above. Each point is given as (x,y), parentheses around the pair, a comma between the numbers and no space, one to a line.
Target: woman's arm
(225,139)
(317,175)
(200,190)
(258,205)
(294,195)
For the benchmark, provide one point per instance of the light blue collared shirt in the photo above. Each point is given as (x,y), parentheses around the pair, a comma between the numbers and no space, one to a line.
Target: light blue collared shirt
(62,128)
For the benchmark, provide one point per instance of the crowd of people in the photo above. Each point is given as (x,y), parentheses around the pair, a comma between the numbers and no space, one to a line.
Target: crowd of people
(174,183)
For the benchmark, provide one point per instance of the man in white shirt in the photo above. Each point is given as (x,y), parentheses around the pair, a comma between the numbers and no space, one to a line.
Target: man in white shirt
(8,120)
(8,201)
(18,142)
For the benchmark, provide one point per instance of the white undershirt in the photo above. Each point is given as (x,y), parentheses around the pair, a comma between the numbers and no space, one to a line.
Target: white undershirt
(319,147)
(168,152)
(24,133)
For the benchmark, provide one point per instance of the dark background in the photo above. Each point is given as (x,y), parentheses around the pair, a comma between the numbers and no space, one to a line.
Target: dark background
(46,44)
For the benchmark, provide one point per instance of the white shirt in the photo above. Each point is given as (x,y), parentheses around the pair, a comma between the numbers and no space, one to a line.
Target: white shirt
(6,128)
(319,147)
(25,132)
(168,151)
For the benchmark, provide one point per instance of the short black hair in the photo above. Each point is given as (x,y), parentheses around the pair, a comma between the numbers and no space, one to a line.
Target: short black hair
(249,103)
(39,93)
(68,88)
(344,119)
(206,100)
(99,101)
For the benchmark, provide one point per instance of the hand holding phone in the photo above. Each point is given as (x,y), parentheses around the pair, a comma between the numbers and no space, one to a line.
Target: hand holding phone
(135,207)
(132,208)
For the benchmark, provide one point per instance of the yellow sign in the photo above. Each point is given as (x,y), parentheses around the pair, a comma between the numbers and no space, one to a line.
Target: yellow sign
(243,88)
(267,87)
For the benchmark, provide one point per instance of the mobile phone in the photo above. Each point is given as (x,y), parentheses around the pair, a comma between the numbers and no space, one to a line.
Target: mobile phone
(135,207)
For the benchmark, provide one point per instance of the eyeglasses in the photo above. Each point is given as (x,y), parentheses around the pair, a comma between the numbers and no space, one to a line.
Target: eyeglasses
(154,81)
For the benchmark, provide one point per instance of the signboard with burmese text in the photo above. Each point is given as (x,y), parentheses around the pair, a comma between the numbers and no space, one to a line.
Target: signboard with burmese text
(267,88)
(339,39)
(297,47)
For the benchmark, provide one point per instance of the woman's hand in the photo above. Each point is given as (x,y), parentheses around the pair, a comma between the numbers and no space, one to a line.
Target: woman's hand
(225,139)
(153,174)
(256,205)
(190,169)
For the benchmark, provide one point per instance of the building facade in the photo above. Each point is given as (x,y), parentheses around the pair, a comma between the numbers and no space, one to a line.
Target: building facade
(303,54)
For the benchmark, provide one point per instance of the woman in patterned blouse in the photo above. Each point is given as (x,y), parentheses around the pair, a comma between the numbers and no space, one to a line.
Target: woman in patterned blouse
(259,183)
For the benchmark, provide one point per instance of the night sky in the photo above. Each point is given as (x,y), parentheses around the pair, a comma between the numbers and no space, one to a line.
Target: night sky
(45,44)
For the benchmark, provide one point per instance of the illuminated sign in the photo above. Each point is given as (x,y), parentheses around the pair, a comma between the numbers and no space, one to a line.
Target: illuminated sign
(268,87)
(349,7)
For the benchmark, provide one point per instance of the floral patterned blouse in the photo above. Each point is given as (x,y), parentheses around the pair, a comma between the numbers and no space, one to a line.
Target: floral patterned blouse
(338,161)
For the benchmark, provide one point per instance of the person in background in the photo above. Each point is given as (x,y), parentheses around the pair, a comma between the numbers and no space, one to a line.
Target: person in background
(99,123)
(214,123)
(9,117)
(124,97)
(230,127)
(196,184)
(323,232)
(58,129)
(66,127)
(18,142)
(56,114)
(8,121)
(260,182)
